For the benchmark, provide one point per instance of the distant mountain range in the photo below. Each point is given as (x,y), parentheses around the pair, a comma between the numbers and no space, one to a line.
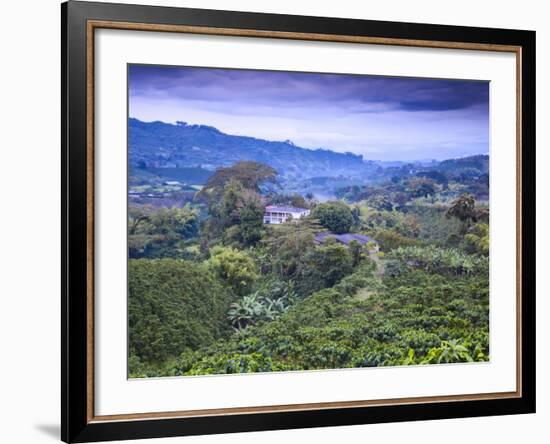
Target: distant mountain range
(163,145)
(162,153)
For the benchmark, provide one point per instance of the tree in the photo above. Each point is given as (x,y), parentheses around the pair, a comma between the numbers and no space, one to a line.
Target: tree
(241,214)
(437,176)
(251,220)
(477,239)
(160,232)
(293,200)
(236,217)
(464,209)
(231,202)
(400,199)
(288,246)
(380,202)
(334,216)
(234,267)
(356,213)
(409,226)
(138,215)
(357,252)
(328,264)
(421,187)
(249,174)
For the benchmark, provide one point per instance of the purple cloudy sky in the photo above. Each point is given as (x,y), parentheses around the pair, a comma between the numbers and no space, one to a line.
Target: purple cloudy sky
(387,118)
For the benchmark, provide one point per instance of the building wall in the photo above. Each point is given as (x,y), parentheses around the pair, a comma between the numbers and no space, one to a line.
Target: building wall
(274,218)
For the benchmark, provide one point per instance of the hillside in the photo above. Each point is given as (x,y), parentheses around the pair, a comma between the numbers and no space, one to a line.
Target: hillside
(163,145)
(173,161)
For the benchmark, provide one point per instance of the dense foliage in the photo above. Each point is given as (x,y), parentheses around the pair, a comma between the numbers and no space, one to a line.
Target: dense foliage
(415,318)
(173,305)
(334,216)
(160,232)
(235,268)
(232,294)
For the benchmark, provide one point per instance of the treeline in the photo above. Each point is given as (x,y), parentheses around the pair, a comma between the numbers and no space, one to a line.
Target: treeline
(441,183)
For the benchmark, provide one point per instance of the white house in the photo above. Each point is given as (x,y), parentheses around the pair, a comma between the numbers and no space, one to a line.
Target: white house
(275,214)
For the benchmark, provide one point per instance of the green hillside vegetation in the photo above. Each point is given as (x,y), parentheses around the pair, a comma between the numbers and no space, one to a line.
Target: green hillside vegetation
(174,305)
(190,154)
(184,175)
(214,290)
(164,145)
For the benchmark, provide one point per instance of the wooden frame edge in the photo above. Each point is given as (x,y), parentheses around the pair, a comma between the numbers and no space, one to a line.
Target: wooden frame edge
(519,222)
(90,208)
(337,38)
(91,25)
(303,407)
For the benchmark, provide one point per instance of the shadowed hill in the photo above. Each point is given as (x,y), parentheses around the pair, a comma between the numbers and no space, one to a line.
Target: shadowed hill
(161,145)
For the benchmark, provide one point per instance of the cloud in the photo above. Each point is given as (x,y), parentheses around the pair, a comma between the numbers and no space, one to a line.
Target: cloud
(291,89)
(338,111)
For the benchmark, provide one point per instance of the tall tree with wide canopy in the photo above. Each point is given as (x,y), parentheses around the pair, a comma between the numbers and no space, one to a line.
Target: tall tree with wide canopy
(464,209)
(334,216)
(248,173)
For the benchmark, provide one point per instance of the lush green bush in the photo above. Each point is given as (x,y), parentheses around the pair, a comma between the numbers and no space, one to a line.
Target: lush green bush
(235,207)
(256,307)
(434,227)
(287,248)
(477,239)
(414,318)
(335,216)
(173,305)
(326,266)
(438,260)
(234,267)
(160,232)
(390,239)
(241,214)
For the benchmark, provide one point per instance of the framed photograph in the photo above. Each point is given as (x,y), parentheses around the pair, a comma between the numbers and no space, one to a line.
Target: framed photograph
(276,221)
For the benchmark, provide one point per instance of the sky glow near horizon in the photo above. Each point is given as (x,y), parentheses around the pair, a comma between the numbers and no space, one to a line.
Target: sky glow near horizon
(381,118)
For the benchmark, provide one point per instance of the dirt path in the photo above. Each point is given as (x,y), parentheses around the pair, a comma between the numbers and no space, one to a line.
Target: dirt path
(379,272)
(365,293)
